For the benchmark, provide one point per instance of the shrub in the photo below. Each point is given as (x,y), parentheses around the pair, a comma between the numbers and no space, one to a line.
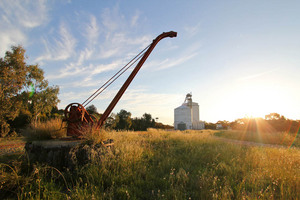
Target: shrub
(50,129)
(93,134)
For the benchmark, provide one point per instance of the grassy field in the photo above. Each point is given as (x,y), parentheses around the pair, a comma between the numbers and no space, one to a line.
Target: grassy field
(162,165)
(276,138)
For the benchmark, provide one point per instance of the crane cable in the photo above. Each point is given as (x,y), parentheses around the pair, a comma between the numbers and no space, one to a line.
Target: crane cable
(115,77)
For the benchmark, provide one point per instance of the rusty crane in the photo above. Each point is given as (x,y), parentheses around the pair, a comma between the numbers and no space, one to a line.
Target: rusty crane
(75,113)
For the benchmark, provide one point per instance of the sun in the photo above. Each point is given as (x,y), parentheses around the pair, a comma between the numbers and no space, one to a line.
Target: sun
(254,100)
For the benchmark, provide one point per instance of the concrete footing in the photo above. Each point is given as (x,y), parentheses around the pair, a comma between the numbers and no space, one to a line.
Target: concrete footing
(64,154)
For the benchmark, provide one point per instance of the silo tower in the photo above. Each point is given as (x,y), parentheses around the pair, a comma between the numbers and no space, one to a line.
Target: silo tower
(186,116)
(188,100)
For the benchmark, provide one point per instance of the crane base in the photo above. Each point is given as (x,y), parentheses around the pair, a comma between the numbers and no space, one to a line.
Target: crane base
(67,154)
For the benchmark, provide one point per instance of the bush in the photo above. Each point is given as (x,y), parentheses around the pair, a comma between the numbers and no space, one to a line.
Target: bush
(93,134)
(50,129)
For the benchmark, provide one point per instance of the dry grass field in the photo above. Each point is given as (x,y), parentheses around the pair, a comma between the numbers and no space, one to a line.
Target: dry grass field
(161,164)
(276,138)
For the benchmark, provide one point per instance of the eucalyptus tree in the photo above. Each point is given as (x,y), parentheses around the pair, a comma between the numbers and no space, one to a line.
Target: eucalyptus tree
(23,87)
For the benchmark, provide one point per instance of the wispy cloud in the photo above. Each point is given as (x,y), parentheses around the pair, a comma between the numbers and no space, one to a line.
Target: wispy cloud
(254,76)
(146,101)
(60,47)
(117,31)
(17,18)
(29,14)
(192,30)
(134,19)
(169,62)
(111,18)
(177,61)
(10,36)
(108,41)
(85,70)
(92,31)
(120,44)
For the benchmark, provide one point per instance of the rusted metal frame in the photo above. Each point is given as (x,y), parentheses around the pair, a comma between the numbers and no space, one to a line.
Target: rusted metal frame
(131,77)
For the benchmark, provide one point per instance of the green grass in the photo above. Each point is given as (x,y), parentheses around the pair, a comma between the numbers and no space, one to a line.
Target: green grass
(163,165)
(277,138)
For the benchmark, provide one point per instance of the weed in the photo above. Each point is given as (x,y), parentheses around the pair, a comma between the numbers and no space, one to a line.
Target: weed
(45,130)
(93,134)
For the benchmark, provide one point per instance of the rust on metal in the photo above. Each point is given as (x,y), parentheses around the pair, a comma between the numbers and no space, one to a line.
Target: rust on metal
(76,115)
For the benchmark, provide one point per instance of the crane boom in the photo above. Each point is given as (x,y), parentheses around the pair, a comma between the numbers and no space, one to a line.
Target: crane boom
(132,75)
(76,115)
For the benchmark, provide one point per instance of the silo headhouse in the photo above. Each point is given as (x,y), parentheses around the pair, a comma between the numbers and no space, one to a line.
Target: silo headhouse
(186,116)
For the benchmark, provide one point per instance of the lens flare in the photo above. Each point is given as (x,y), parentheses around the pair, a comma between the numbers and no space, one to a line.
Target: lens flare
(32,90)
(295,135)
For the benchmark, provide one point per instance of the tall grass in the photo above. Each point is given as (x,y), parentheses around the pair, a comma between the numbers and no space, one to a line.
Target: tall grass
(167,165)
(91,133)
(277,138)
(41,130)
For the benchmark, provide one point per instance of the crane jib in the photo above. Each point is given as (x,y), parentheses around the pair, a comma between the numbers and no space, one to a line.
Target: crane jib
(76,115)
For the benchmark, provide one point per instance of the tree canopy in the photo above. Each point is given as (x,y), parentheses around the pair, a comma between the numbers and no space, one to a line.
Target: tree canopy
(23,89)
(124,120)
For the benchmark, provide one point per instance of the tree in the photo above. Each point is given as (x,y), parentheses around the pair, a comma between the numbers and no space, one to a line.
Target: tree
(143,123)
(275,116)
(91,109)
(43,101)
(23,86)
(149,122)
(39,96)
(112,121)
(224,123)
(13,72)
(209,125)
(124,121)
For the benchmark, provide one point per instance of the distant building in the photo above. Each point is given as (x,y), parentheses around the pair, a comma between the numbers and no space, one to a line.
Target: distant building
(186,116)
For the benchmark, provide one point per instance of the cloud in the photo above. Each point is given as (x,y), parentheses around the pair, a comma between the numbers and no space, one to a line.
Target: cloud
(187,54)
(86,70)
(150,102)
(103,68)
(121,44)
(192,30)
(10,36)
(111,18)
(169,62)
(92,31)
(28,13)
(254,76)
(84,55)
(114,45)
(59,48)
(118,30)
(134,19)
(17,18)
(178,61)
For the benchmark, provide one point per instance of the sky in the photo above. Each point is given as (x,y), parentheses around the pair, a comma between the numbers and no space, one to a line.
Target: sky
(238,58)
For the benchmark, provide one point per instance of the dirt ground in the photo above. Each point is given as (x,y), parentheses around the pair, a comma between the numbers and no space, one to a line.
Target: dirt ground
(11,146)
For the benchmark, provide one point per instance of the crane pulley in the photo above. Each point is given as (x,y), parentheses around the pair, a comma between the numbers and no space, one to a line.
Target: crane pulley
(75,113)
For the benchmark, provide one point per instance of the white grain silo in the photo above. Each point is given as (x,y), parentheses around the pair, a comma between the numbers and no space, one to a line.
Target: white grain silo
(183,117)
(186,116)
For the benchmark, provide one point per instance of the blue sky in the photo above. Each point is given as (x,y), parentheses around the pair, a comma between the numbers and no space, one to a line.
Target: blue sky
(238,58)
